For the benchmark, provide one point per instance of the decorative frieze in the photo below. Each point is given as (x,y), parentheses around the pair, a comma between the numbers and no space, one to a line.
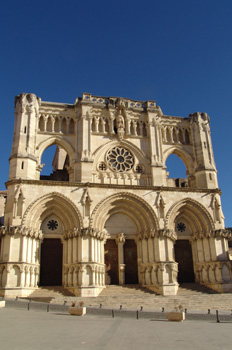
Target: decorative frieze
(213,272)
(165,233)
(221,233)
(84,275)
(85,232)
(20,230)
(158,273)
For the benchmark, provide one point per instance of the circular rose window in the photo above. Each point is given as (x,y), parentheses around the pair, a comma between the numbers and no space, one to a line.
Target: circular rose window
(181,227)
(52,225)
(120,159)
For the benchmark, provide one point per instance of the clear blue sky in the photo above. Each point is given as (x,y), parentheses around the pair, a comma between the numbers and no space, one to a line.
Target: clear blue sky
(178,53)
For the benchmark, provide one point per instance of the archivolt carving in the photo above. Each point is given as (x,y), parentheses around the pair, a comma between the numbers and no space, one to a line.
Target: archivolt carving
(137,208)
(65,209)
(197,210)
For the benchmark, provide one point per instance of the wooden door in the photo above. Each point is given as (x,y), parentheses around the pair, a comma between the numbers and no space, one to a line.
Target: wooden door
(130,260)
(111,261)
(51,262)
(183,256)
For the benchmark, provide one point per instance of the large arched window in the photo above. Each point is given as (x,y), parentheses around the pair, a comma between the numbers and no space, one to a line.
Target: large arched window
(176,172)
(56,161)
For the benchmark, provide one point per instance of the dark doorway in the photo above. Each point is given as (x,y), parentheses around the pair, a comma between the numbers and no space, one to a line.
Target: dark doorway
(183,256)
(111,261)
(130,260)
(51,262)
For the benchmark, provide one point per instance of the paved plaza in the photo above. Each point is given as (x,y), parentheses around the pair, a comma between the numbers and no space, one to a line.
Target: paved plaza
(27,330)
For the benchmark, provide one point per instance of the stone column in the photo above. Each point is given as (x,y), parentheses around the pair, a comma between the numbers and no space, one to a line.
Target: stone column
(120,240)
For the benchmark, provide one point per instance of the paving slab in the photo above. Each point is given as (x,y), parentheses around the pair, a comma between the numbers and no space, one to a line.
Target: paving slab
(37,329)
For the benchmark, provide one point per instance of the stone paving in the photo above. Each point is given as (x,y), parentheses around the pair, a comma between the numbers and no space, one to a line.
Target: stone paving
(26,330)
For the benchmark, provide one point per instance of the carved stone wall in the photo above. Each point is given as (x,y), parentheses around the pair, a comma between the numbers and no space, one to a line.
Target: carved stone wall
(114,151)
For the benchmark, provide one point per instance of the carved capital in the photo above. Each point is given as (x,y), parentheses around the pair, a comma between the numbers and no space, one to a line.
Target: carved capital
(20,230)
(168,234)
(120,238)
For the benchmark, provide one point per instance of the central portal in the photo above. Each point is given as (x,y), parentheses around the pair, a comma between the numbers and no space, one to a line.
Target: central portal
(183,256)
(51,262)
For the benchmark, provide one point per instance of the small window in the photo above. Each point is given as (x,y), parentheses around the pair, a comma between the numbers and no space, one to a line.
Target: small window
(22,165)
(25,130)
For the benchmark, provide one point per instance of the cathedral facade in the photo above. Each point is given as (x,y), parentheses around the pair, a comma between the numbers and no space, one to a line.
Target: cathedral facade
(109,213)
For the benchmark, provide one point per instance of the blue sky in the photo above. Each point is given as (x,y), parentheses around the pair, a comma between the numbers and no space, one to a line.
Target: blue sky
(178,53)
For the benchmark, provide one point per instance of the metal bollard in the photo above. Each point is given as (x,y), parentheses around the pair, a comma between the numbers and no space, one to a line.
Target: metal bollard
(162,309)
(137,315)
(120,307)
(218,321)
(208,311)
(113,313)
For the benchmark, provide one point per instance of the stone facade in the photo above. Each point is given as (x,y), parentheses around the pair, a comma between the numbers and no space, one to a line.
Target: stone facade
(109,213)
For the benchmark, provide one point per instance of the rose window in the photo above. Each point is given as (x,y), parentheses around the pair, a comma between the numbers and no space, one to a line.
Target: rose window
(120,159)
(52,225)
(181,227)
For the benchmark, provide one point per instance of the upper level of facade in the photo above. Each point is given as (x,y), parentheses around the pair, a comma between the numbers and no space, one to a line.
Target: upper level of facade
(110,140)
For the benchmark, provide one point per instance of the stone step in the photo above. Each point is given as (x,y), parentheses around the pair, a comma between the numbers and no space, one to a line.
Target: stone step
(190,296)
(49,293)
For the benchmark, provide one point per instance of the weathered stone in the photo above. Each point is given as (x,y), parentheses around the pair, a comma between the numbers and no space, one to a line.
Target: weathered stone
(175,316)
(109,213)
(77,311)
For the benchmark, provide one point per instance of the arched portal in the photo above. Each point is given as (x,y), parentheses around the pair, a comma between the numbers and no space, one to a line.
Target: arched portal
(53,214)
(117,223)
(123,216)
(190,220)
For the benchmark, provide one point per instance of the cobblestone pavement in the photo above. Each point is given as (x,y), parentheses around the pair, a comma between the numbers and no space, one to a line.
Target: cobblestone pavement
(26,330)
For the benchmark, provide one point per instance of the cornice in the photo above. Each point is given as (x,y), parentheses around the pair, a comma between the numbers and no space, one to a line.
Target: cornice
(112,186)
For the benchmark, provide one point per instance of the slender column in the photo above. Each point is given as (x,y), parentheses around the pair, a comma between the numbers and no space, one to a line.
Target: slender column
(31,277)
(98,251)
(92,256)
(75,257)
(120,240)
(75,277)
(22,276)
(93,275)
(26,276)
(36,277)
